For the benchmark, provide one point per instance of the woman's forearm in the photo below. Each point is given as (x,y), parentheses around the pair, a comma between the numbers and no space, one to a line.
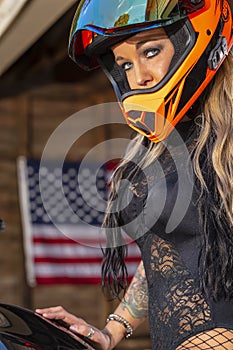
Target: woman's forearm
(133,308)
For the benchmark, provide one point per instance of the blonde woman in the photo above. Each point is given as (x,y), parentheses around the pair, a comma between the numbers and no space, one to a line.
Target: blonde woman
(171,66)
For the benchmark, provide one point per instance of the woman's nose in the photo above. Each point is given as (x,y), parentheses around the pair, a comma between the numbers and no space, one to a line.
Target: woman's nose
(144,77)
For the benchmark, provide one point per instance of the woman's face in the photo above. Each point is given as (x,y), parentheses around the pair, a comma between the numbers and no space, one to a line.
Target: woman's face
(145,57)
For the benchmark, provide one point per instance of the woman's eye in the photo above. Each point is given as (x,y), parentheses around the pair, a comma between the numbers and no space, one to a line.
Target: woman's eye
(126,66)
(151,52)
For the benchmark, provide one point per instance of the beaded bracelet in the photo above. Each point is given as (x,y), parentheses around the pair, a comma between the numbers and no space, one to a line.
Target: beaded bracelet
(120,319)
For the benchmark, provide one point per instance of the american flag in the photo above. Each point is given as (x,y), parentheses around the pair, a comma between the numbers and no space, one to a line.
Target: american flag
(62,212)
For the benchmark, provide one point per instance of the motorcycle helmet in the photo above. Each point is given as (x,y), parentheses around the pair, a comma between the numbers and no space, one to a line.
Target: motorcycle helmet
(201,32)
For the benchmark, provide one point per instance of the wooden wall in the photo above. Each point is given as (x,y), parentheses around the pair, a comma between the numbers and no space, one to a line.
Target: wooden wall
(26,123)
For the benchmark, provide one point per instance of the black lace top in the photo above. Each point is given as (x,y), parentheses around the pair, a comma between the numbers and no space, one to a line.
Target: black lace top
(159,210)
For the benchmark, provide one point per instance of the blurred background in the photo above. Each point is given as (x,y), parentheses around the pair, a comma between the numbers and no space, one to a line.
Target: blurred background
(40,87)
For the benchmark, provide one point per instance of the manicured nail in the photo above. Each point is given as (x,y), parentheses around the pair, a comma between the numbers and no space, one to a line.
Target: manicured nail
(74,328)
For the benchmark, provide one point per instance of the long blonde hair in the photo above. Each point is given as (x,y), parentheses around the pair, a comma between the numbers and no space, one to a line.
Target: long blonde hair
(218,117)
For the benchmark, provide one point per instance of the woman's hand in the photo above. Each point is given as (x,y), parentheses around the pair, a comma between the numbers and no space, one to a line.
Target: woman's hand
(101,339)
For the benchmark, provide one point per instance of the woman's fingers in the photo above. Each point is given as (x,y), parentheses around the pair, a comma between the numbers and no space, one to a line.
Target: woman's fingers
(50,311)
(76,325)
(58,313)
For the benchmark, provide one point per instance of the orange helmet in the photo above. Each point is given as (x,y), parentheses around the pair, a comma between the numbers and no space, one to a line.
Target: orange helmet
(202,35)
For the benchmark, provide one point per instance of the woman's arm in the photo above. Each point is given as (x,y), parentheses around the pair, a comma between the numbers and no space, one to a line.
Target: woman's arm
(133,308)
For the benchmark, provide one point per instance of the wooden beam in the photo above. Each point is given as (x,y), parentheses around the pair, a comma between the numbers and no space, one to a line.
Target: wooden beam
(9,9)
(33,21)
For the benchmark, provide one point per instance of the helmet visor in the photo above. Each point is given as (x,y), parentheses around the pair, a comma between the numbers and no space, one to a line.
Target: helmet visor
(106,16)
(122,17)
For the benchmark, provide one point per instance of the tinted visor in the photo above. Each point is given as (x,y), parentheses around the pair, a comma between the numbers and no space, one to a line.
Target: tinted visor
(122,17)
(106,16)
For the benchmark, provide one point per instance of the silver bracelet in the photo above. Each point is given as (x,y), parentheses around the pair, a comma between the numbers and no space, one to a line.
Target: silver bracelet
(120,319)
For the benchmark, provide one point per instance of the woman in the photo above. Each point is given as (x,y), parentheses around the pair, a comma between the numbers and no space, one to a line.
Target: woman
(172,70)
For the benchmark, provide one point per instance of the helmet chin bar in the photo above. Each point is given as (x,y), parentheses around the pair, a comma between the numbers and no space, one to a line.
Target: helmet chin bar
(155,121)
(151,125)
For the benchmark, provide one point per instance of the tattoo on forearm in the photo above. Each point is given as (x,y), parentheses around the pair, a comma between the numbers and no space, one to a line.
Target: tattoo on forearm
(136,298)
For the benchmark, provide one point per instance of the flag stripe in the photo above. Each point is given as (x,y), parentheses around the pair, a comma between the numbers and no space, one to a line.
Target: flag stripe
(84,270)
(65,251)
(74,260)
(75,231)
(71,250)
(72,270)
(91,242)
(68,280)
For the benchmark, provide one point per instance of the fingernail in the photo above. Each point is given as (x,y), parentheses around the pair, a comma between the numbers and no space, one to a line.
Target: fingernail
(74,328)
